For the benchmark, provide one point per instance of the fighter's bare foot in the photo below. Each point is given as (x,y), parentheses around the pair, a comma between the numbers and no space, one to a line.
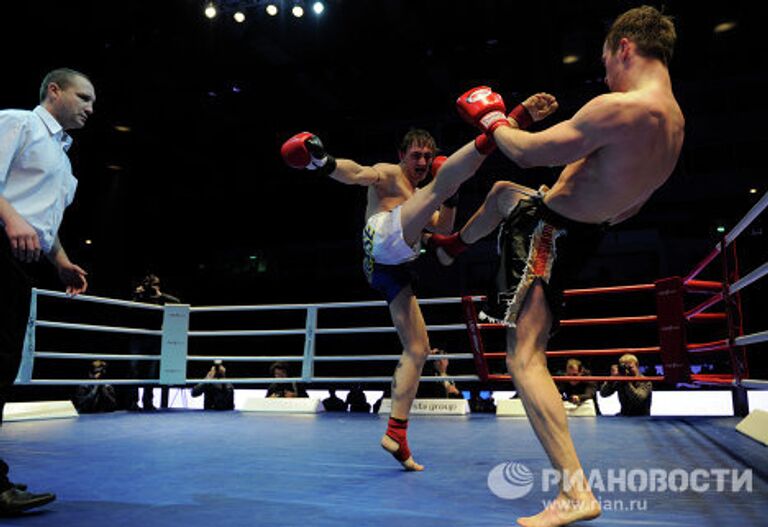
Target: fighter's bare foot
(564,511)
(395,441)
(443,257)
(393,447)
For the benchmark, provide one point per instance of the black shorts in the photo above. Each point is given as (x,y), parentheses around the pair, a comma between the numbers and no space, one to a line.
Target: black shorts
(536,243)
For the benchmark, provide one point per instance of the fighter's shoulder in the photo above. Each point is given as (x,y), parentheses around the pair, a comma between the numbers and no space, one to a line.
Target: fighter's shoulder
(387,170)
(614,111)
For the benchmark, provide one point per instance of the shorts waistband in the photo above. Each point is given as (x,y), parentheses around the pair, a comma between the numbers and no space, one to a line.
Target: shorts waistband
(561,222)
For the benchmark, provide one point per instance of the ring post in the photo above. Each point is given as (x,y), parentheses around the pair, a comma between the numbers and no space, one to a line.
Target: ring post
(28,353)
(670,311)
(308,365)
(173,351)
(739,395)
(475,339)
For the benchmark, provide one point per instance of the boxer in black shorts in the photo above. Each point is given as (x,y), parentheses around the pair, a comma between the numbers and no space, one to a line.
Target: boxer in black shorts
(616,151)
(536,243)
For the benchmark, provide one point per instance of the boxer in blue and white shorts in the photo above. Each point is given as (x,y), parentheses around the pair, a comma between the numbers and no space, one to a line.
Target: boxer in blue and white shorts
(397,214)
(387,257)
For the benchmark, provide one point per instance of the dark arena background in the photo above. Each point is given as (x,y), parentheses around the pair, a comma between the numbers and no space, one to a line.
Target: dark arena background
(180,175)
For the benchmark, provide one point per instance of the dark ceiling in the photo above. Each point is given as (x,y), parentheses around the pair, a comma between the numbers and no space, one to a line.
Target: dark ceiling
(196,191)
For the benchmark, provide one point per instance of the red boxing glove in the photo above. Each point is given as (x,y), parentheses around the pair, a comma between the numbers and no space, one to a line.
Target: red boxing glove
(483,108)
(485,144)
(305,150)
(522,116)
(436,164)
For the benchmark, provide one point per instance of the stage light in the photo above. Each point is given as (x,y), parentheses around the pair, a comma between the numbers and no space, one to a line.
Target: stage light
(239,17)
(210,11)
(724,27)
(753,191)
(271,9)
(297,11)
(318,8)
(571,59)
(720,229)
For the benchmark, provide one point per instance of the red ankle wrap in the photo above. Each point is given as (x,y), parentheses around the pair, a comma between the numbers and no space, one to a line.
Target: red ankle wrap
(397,430)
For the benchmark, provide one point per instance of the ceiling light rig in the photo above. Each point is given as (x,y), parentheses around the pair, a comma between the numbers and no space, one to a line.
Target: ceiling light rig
(242,10)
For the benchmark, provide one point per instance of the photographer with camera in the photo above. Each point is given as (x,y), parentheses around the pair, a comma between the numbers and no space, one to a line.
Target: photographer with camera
(634,396)
(578,392)
(438,390)
(279,370)
(96,398)
(147,292)
(219,396)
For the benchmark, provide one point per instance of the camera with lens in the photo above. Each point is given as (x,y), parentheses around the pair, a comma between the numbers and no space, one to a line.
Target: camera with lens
(98,368)
(218,368)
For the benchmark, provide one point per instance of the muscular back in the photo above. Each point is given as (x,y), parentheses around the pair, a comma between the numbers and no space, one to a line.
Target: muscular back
(633,141)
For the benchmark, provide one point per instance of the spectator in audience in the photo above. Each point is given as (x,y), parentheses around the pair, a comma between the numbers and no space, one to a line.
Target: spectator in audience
(96,398)
(218,396)
(357,401)
(578,392)
(634,396)
(480,404)
(279,370)
(333,403)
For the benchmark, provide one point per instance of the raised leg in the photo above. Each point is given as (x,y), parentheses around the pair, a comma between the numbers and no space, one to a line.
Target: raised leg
(502,198)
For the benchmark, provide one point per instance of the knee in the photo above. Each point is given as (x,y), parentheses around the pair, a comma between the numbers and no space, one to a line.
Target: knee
(503,197)
(499,188)
(516,365)
(523,361)
(418,352)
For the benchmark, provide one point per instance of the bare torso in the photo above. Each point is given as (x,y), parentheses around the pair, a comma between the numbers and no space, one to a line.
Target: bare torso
(393,189)
(613,182)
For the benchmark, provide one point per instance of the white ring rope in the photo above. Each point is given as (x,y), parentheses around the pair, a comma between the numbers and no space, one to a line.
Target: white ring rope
(93,356)
(753,213)
(330,305)
(750,278)
(91,327)
(98,300)
(754,338)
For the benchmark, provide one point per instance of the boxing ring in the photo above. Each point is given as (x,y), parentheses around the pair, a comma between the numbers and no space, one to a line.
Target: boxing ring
(184,467)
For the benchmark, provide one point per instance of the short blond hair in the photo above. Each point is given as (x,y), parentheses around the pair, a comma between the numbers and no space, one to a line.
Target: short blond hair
(574,362)
(628,357)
